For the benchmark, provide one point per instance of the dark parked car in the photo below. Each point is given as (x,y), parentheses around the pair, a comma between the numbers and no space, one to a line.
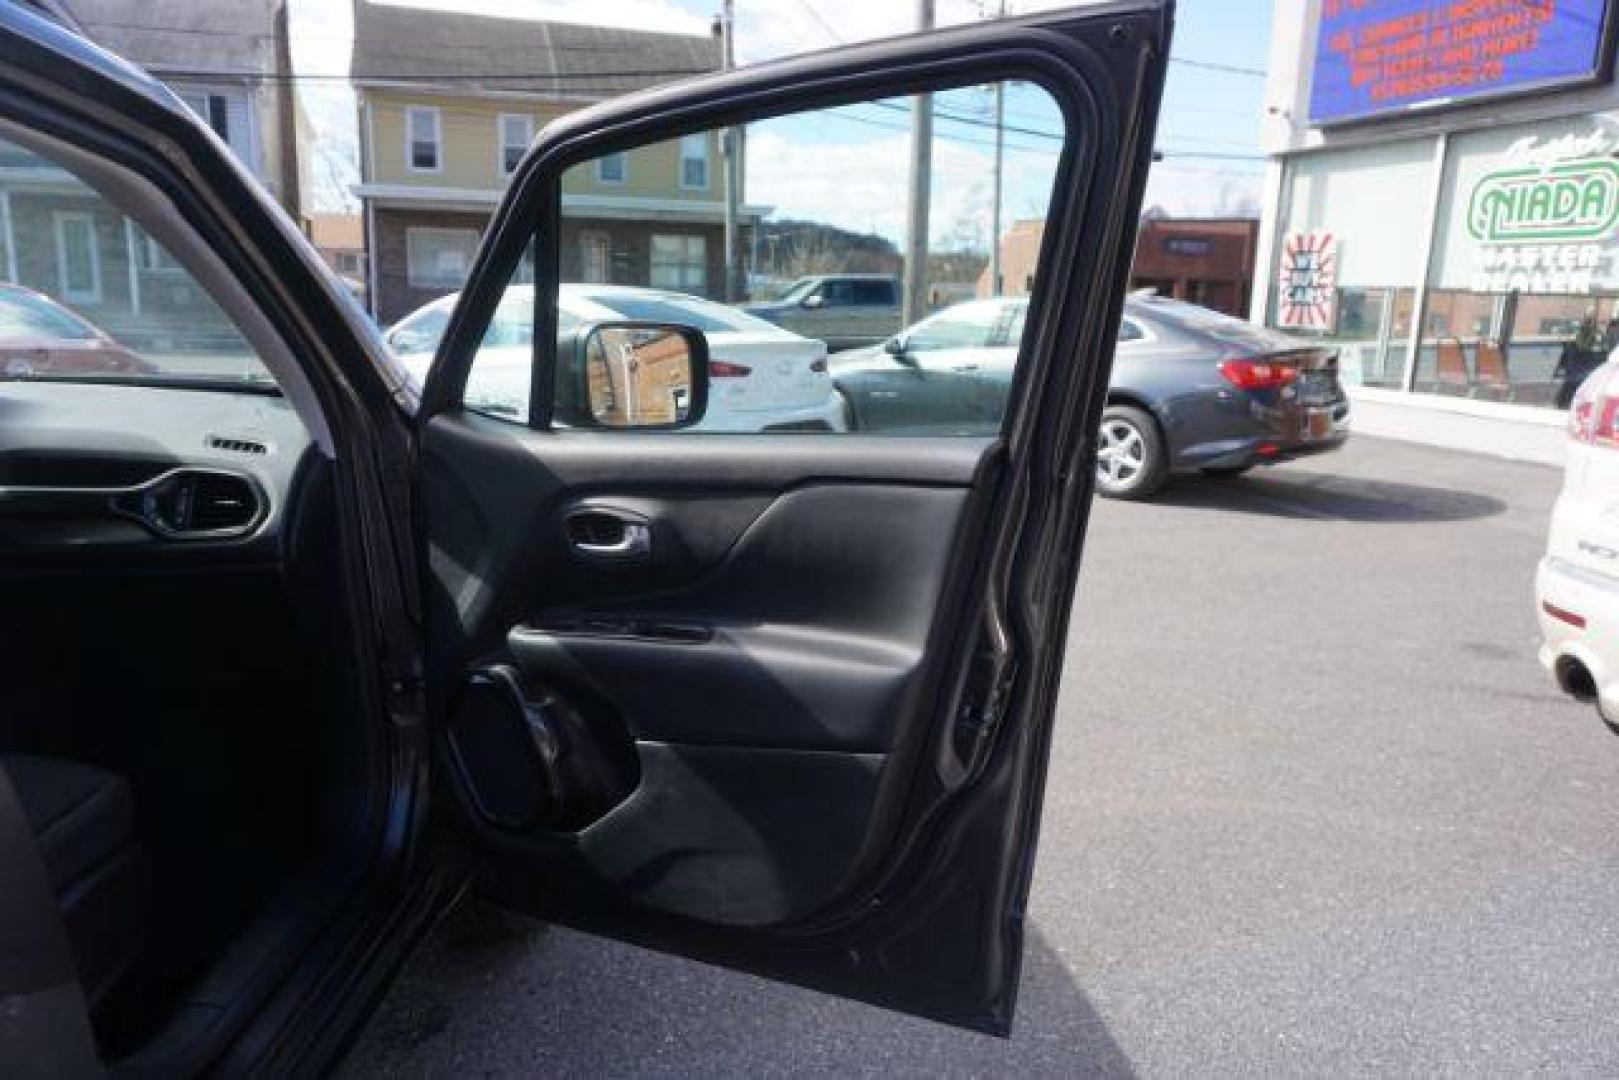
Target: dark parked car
(40,338)
(1192,390)
(289,665)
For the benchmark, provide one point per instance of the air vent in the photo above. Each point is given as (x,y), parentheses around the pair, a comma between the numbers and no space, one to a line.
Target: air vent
(232,445)
(195,504)
(220,502)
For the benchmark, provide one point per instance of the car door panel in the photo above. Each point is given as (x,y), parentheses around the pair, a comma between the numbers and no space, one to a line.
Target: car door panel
(760,689)
(810,703)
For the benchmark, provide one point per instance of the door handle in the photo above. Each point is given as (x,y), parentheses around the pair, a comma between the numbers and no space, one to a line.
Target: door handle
(595,536)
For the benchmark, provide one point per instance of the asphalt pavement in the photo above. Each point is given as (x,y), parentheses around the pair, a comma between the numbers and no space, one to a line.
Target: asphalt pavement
(1313,809)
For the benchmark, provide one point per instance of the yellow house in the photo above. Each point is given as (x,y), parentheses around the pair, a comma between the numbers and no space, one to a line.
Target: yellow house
(437,151)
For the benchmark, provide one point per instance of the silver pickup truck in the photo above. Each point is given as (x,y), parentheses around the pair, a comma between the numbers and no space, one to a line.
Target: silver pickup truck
(847,311)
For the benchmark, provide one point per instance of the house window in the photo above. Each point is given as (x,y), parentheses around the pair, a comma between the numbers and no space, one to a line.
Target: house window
(680,262)
(613,168)
(422,138)
(213,109)
(439,258)
(694,161)
(150,255)
(78,260)
(516,132)
(593,248)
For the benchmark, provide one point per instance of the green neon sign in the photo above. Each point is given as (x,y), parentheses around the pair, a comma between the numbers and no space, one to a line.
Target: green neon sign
(1573,200)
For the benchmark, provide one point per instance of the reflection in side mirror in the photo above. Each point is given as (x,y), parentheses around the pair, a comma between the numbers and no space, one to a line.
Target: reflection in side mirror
(641,375)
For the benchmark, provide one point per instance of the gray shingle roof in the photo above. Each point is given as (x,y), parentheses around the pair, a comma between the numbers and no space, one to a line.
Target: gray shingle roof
(480,52)
(183,35)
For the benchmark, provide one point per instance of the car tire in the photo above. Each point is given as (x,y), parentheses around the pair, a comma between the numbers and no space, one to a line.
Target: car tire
(1227,472)
(1131,460)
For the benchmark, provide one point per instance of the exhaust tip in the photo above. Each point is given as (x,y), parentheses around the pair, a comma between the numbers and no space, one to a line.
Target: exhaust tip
(1575,680)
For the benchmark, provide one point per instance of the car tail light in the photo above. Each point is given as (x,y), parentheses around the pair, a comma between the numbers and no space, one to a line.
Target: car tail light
(1593,415)
(724,369)
(1257,374)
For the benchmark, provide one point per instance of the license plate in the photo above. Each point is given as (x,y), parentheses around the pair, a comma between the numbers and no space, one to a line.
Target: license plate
(1317,423)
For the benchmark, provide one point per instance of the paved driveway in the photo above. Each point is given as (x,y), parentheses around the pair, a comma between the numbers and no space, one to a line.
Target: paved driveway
(1313,809)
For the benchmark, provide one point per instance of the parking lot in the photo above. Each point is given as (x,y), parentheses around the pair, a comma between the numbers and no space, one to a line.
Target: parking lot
(1313,808)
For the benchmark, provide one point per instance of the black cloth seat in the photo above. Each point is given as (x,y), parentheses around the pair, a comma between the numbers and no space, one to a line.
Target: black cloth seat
(84,820)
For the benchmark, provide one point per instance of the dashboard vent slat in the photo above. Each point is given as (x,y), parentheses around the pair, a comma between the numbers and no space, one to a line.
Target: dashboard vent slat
(234,445)
(222,502)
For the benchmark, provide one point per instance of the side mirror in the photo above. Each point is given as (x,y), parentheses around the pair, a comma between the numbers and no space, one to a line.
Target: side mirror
(813,301)
(634,375)
(408,341)
(895,347)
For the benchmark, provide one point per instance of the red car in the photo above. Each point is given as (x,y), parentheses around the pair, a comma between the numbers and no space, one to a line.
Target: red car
(38,336)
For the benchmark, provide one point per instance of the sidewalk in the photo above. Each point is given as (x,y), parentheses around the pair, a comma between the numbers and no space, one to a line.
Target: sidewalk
(1483,427)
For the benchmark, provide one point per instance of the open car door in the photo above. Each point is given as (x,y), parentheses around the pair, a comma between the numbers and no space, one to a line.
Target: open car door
(764,691)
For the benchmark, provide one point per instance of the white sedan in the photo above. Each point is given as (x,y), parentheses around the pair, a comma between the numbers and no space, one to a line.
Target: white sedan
(1577,586)
(761,377)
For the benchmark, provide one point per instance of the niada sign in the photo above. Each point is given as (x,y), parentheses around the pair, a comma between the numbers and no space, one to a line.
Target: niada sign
(1570,201)
(1545,219)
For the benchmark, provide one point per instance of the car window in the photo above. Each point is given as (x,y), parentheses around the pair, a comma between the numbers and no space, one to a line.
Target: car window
(798,309)
(87,294)
(26,316)
(838,293)
(875,292)
(967,326)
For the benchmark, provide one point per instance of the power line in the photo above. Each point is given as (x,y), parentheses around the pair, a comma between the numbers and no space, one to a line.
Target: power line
(443,77)
(809,9)
(1227,69)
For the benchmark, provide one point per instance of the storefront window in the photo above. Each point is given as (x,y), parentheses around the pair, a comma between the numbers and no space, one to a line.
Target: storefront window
(1373,335)
(1526,271)
(1348,205)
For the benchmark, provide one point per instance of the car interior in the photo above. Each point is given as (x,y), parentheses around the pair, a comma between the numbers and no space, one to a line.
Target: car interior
(175,713)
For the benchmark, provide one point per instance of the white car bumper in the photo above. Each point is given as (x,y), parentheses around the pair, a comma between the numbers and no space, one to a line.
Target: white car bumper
(827,415)
(1580,596)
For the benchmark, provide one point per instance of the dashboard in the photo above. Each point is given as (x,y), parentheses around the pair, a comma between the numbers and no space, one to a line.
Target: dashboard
(121,473)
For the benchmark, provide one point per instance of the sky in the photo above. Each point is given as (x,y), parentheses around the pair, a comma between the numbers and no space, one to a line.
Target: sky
(1208,129)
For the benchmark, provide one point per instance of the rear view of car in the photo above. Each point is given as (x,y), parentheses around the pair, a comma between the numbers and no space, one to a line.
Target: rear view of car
(1577,586)
(1197,391)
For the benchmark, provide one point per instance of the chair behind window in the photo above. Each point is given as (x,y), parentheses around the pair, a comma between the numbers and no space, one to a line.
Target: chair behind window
(1451,367)
(1492,374)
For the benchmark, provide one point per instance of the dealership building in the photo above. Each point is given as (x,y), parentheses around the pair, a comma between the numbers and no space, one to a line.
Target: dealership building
(1442,203)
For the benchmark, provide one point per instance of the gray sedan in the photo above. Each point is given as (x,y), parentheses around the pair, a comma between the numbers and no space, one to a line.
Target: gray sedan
(1192,390)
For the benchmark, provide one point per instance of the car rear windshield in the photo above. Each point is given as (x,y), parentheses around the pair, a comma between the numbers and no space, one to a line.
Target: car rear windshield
(685,311)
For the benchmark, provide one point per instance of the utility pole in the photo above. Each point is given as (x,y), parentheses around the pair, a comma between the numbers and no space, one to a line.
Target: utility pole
(996,286)
(731,148)
(916,219)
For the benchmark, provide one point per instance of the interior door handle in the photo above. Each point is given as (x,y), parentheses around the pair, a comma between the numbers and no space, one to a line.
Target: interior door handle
(598,537)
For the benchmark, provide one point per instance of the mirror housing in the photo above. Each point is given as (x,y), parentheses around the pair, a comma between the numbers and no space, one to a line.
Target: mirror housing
(640,376)
(895,347)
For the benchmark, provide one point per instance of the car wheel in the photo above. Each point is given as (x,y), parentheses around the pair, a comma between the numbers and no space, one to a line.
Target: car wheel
(1130,458)
(1227,472)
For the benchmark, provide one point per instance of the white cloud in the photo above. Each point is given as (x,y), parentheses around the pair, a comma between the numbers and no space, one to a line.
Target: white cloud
(860,183)
(654,15)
